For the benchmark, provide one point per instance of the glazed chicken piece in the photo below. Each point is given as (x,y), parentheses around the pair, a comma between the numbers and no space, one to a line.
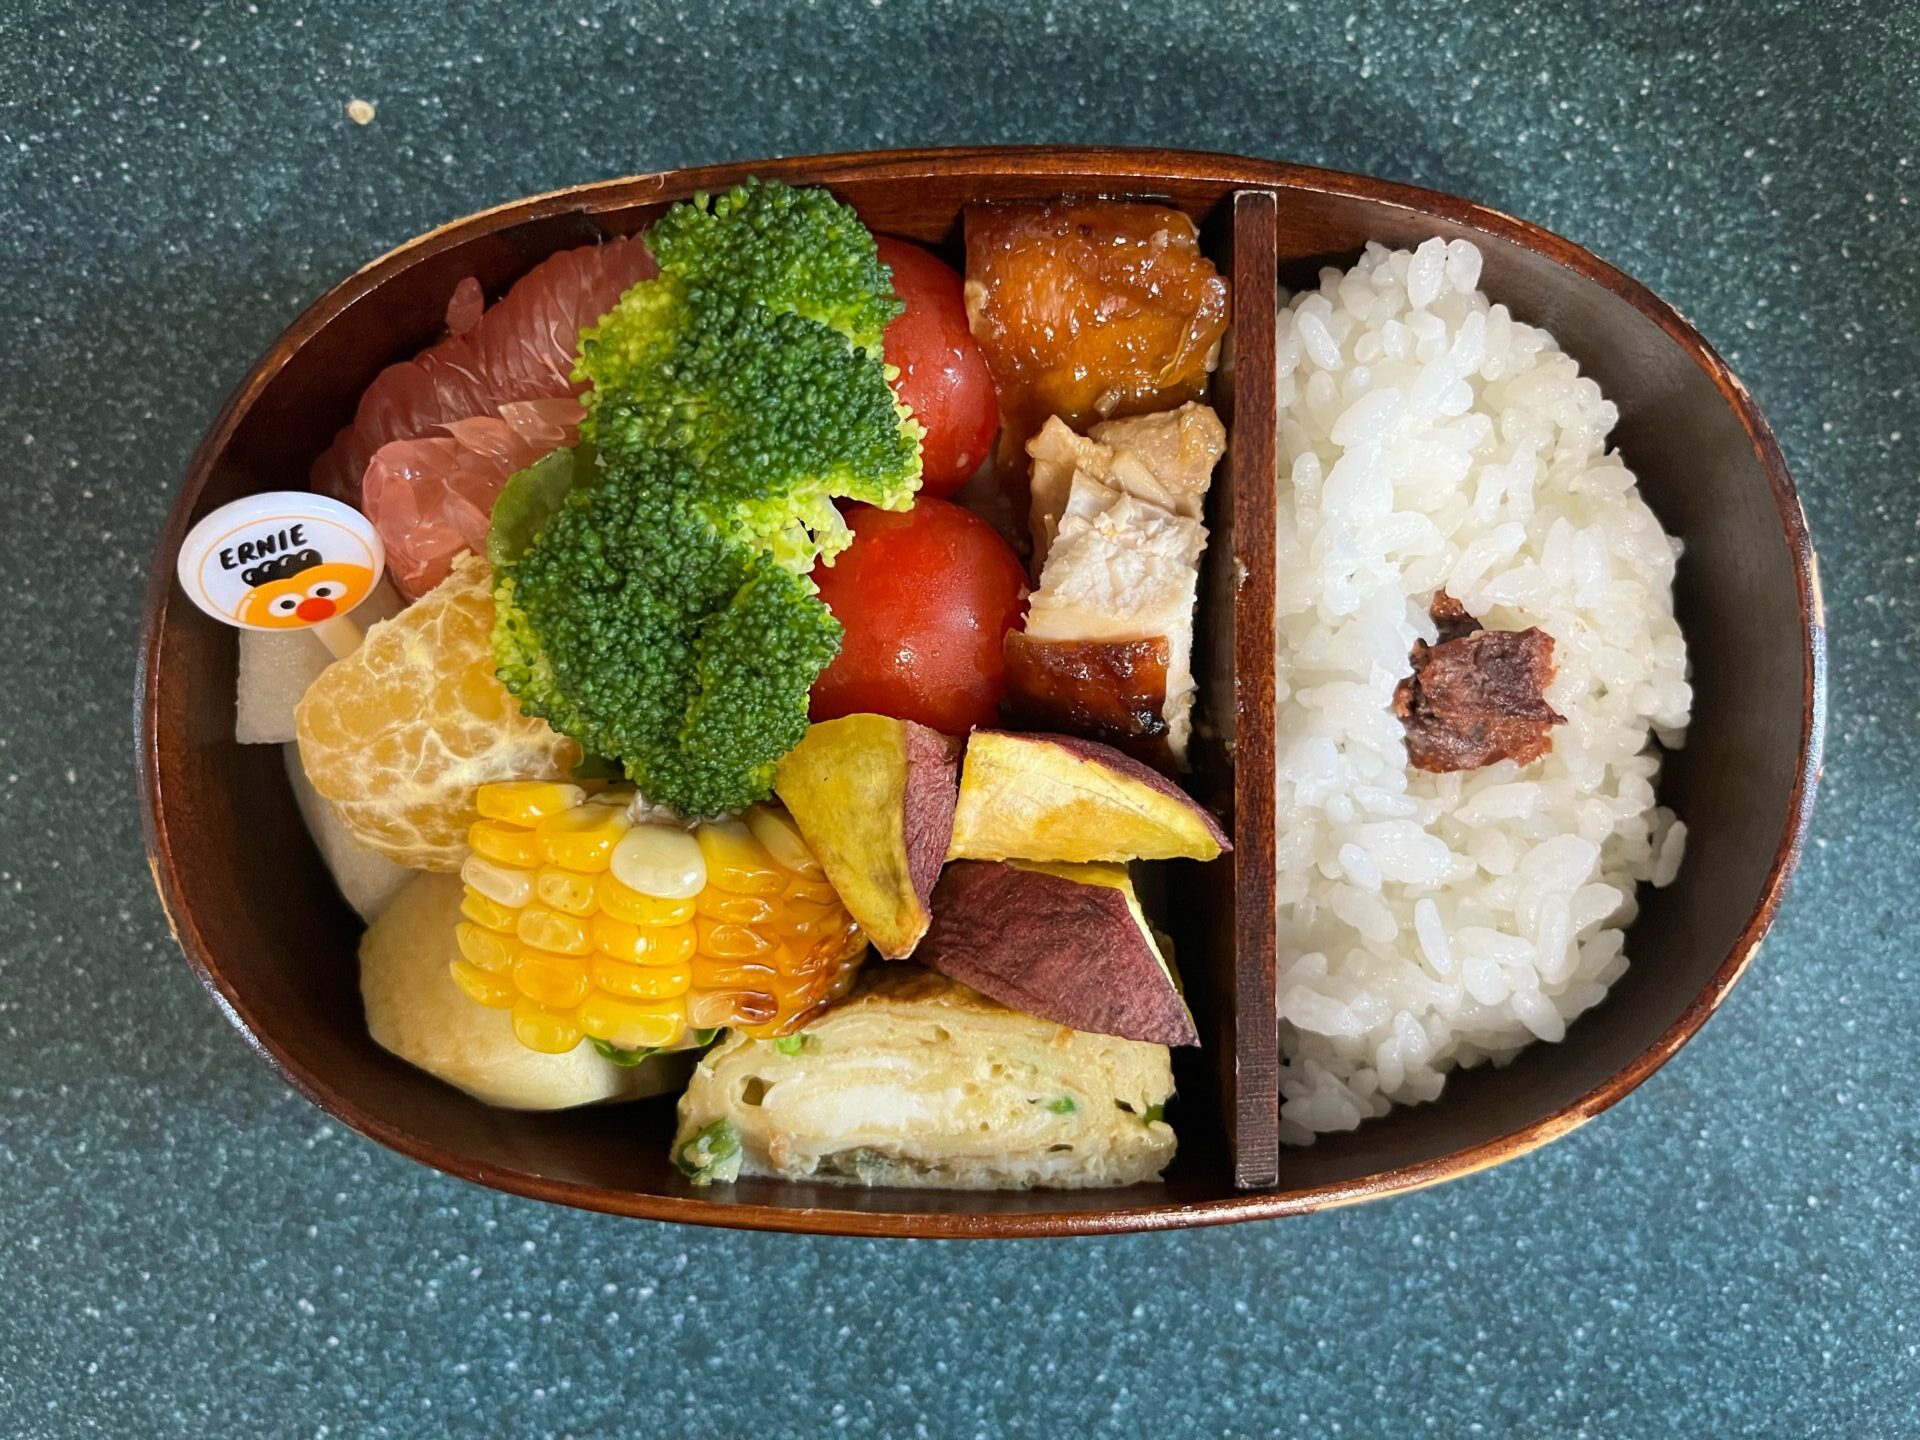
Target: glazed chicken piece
(1090,310)
(1108,647)
(1113,691)
(1165,460)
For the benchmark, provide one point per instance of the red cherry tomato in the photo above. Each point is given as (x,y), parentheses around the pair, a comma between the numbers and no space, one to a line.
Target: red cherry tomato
(927,597)
(943,374)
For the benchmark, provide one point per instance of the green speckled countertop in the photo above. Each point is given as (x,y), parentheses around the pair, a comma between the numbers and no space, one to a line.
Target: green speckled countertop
(188,1249)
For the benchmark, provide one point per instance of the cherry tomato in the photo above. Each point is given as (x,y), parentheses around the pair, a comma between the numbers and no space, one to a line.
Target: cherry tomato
(927,596)
(943,374)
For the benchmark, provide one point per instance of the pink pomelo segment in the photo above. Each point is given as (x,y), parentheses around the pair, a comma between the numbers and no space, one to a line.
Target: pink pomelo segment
(432,497)
(521,349)
(465,306)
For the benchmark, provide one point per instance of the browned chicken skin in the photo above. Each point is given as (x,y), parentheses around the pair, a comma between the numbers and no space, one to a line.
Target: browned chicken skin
(1090,310)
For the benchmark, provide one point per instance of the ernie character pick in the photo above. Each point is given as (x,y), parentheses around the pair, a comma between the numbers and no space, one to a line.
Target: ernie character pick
(298,588)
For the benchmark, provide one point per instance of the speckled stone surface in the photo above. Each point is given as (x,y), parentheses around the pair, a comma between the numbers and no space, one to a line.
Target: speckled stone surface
(187,1249)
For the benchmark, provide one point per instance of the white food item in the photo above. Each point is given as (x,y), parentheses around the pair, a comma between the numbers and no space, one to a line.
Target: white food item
(1166,459)
(1429,440)
(662,860)
(1118,537)
(1122,569)
(277,666)
(366,878)
(415,1010)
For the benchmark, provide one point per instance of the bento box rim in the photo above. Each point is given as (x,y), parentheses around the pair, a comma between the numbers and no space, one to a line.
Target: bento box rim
(1133,170)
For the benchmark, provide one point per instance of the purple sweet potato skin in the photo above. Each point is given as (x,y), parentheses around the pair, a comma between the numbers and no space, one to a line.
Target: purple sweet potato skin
(1056,949)
(1127,767)
(932,788)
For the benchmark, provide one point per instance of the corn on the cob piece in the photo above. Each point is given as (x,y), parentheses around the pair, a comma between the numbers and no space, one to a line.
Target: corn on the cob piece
(588,925)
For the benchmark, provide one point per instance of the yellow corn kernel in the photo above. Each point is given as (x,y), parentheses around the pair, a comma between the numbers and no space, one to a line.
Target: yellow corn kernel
(637,909)
(640,982)
(792,1024)
(526,802)
(734,975)
(490,990)
(730,942)
(556,981)
(736,862)
(805,924)
(506,885)
(581,923)
(552,1032)
(566,890)
(641,944)
(484,912)
(805,962)
(633,1027)
(780,838)
(719,1009)
(488,949)
(582,838)
(663,861)
(735,909)
(546,929)
(816,892)
(508,844)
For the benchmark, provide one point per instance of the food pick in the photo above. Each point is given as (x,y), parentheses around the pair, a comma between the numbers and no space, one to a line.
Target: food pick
(284,560)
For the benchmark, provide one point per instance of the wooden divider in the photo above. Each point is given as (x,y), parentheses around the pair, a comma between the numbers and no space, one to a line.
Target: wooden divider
(1238,675)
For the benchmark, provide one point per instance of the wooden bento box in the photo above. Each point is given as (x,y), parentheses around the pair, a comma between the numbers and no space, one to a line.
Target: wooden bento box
(260,922)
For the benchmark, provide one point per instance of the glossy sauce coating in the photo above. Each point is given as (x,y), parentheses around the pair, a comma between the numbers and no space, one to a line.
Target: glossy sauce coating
(1090,310)
(1114,691)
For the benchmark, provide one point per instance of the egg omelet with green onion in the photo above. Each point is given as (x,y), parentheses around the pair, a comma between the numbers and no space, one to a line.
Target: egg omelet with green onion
(917,1080)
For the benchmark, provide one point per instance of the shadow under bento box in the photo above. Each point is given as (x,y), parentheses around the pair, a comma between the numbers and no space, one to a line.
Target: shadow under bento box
(258,917)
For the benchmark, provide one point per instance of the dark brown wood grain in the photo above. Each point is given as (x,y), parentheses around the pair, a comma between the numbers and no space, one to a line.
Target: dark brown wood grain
(259,921)
(1254,458)
(1235,663)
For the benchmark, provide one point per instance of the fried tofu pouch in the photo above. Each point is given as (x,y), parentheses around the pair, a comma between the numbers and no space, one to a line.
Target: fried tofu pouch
(917,1080)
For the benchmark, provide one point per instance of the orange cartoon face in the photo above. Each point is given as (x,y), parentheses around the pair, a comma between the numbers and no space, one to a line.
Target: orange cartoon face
(296,590)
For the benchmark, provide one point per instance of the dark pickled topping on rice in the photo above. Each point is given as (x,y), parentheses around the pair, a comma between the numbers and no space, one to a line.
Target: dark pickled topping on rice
(1478,696)
(1451,617)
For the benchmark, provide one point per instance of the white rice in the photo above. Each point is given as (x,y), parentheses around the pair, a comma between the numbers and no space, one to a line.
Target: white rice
(1430,441)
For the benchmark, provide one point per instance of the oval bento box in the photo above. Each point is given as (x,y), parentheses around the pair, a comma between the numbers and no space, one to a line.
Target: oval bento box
(257,916)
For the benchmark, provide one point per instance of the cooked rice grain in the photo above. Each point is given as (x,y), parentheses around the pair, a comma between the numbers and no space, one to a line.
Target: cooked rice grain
(1430,441)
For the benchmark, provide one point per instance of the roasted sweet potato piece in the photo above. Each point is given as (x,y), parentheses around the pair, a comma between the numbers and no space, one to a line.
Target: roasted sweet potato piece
(1064,942)
(873,797)
(1060,798)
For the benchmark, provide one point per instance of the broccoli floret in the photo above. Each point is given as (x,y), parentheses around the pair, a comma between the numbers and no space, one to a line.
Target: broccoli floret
(732,369)
(637,630)
(780,415)
(788,249)
(664,614)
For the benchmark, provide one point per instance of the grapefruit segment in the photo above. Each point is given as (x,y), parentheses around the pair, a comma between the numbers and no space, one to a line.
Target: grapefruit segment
(520,349)
(432,497)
